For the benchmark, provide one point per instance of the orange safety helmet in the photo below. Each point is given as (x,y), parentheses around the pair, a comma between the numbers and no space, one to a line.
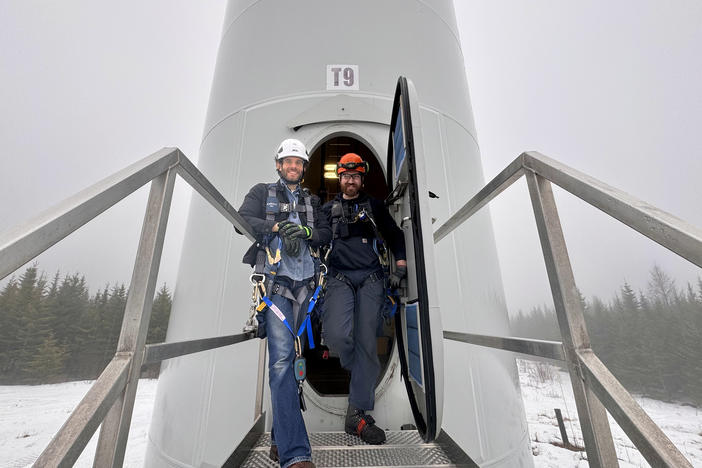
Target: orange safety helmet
(352,162)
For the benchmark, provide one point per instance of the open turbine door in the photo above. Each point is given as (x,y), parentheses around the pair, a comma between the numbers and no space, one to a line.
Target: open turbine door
(418,322)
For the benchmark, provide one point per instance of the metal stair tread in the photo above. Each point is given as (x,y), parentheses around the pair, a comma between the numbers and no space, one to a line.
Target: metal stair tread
(342,439)
(339,449)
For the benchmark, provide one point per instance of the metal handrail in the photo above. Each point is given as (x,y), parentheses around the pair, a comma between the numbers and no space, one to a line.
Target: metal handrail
(539,348)
(594,385)
(664,228)
(110,399)
(25,241)
(109,402)
(154,353)
(76,432)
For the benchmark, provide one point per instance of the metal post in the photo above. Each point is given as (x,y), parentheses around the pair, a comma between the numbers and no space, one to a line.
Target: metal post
(115,427)
(593,417)
(261,379)
(561,427)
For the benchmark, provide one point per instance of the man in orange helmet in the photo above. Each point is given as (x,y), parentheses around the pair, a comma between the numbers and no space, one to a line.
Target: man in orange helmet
(356,288)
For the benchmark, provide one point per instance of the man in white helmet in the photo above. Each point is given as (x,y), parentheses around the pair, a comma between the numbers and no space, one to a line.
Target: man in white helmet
(288,222)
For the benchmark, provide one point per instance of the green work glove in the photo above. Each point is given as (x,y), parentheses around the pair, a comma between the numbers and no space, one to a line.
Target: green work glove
(395,278)
(291,246)
(295,231)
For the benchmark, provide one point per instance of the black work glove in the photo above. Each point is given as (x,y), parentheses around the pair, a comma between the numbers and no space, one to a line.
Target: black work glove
(295,231)
(395,278)
(282,224)
(291,246)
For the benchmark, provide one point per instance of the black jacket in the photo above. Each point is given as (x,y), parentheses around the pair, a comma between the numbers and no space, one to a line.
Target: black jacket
(253,210)
(355,252)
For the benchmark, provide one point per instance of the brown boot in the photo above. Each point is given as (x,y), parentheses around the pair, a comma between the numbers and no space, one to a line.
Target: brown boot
(303,464)
(273,453)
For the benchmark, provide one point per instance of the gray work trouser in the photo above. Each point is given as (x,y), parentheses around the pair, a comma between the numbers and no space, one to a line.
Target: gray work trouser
(350,317)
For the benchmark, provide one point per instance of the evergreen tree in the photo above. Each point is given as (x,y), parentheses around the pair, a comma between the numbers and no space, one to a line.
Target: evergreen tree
(160,313)
(112,322)
(100,328)
(34,323)
(629,301)
(47,362)
(70,309)
(652,383)
(650,342)
(9,327)
(595,319)
(629,340)
(57,331)
(158,325)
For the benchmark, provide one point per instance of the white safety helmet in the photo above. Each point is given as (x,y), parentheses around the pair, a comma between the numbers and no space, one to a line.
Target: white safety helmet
(292,147)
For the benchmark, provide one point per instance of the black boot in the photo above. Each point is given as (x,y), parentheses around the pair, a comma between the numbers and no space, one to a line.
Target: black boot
(363,425)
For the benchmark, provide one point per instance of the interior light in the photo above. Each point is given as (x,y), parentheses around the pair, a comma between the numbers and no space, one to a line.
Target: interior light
(330,175)
(330,167)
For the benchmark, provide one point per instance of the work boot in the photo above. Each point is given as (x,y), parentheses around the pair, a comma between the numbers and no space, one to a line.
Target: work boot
(363,425)
(273,453)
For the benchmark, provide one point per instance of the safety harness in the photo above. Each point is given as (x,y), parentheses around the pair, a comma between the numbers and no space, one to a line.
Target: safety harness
(341,217)
(264,287)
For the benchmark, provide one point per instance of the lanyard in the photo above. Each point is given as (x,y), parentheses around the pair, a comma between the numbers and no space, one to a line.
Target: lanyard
(274,260)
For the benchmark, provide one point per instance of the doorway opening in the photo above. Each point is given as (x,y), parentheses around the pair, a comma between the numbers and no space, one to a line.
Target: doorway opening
(321,178)
(324,372)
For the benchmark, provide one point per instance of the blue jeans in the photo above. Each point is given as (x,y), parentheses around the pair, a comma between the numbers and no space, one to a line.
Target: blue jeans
(289,432)
(349,322)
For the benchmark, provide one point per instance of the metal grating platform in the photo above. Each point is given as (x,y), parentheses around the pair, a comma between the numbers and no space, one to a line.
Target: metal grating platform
(338,449)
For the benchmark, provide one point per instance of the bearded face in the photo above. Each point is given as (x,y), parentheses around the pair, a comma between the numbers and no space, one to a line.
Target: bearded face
(290,169)
(350,183)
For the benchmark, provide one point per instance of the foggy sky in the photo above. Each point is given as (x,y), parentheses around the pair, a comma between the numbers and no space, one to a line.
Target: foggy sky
(609,88)
(613,89)
(87,89)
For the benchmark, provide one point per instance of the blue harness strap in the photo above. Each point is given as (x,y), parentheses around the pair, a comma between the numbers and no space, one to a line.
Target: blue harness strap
(392,297)
(279,313)
(307,323)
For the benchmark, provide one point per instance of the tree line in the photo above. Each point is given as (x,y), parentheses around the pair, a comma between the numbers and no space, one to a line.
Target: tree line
(53,331)
(650,340)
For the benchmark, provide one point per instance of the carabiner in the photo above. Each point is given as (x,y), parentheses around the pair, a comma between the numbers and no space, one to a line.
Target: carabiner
(298,347)
(256,278)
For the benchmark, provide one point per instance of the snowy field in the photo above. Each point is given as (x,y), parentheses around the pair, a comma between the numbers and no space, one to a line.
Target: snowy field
(30,415)
(545,388)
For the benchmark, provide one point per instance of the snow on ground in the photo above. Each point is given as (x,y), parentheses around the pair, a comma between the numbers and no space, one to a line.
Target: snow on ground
(544,388)
(31,415)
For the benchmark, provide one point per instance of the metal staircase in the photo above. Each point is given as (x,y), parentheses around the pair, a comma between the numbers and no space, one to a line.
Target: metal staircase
(110,401)
(338,449)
